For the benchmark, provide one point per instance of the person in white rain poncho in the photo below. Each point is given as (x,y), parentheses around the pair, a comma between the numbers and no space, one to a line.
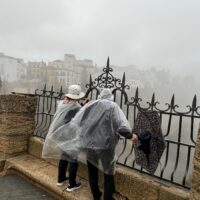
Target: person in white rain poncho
(92,137)
(101,124)
(66,110)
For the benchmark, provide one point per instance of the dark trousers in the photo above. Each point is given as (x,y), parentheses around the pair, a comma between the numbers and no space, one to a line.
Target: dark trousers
(109,185)
(62,168)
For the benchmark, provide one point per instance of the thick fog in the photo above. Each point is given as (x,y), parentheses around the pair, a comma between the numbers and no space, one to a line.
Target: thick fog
(156,43)
(152,35)
(157,37)
(140,32)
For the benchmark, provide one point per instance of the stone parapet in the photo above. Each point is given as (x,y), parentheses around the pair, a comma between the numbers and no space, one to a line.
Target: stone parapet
(35,146)
(13,103)
(195,189)
(2,164)
(137,186)
(13,124)
(129,183)
(17,113)
(13,144)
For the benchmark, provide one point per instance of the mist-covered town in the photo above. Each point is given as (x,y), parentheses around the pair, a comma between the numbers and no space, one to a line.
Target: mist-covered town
(16,75)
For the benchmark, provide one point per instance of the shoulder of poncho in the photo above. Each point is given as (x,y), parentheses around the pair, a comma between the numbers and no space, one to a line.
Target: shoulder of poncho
(108,101)
(77,105)
(69,106)
(73,105)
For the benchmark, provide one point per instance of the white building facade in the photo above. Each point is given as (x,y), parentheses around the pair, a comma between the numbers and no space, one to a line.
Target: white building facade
(12,69)
(61,72)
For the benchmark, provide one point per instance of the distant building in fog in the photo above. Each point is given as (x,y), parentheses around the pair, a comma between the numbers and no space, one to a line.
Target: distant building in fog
(136,77)
(12,69)
(135,83)
(61,72)
(36,70)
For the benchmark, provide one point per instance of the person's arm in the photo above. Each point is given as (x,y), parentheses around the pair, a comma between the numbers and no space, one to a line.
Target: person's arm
(128,135)
(122,125)
(124,132)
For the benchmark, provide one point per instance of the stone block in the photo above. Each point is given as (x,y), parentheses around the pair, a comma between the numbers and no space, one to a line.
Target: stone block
(35,146)
(172,193)
(13,144)
(141,187)
(4,156)
(17,103)
(16,124)
(136,187)
(196,165)
(195,190)
(17,116)
(2,164)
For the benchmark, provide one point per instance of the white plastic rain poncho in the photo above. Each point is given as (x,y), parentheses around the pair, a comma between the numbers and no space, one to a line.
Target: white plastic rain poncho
(63,115)
(93,134)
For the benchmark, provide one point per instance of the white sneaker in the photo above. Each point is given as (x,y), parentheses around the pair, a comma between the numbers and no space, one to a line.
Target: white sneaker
(72,188)
(62,183)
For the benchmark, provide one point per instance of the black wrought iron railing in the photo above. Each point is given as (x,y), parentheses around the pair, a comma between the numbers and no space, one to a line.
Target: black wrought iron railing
(179,127)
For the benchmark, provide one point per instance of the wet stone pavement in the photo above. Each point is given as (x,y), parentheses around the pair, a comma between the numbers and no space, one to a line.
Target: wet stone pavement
(13,187)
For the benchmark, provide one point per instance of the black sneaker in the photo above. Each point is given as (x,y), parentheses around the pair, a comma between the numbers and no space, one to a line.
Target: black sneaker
(71,188)
(60,183)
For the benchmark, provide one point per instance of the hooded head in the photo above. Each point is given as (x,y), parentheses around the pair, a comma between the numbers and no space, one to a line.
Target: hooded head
(106,94)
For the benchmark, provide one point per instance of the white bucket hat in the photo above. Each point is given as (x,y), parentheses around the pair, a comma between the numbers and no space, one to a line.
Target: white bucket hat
(74,92)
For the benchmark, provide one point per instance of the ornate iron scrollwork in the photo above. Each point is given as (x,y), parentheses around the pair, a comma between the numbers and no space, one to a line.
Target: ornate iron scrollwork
(107,80)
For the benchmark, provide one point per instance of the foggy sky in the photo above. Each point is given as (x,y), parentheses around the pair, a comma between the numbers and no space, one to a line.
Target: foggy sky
(146,33)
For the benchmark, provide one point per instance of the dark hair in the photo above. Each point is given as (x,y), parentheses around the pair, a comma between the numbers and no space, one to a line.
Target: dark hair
(67,98)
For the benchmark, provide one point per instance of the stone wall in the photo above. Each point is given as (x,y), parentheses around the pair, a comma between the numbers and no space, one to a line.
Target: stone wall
(195,190)
(129,183)
(17,114)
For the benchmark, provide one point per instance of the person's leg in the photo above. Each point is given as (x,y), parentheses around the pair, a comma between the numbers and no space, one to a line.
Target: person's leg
(93,181)
(73,167)
(108,162)
(62,168)
(109,186)
(73,185)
